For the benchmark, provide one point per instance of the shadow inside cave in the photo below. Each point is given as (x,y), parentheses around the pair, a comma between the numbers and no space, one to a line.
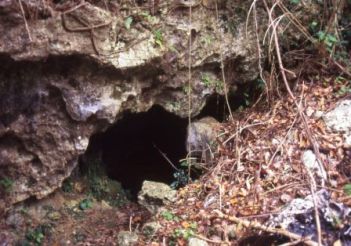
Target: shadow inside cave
(131,148)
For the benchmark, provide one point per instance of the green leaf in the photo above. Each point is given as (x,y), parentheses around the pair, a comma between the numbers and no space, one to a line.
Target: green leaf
(347,189)
(6,183)
(295,1)
(85,204)
(168,215)
(128,22)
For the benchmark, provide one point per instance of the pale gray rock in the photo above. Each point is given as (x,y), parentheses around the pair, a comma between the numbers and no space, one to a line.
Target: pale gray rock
(310,161)
(339,119)
(154,195)
(126,238)
(197,242)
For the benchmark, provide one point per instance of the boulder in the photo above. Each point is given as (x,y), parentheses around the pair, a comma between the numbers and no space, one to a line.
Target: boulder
(154,195)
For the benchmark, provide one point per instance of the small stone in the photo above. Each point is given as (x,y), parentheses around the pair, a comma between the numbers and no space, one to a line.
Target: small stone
(54,215)
(126,238)
(197,242)
(151,228)
(318,114)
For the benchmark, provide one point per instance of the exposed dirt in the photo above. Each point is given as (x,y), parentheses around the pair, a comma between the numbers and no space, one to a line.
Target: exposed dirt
(71,217)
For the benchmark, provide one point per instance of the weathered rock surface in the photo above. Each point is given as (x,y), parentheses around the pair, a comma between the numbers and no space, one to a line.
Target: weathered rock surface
(62,80)
(339,120)
(126,238)
(298,217)
(197,242)
(154,195)
(201,136)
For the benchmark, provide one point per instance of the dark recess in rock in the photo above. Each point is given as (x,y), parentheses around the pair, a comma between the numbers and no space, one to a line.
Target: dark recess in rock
(216,105)
(131,148)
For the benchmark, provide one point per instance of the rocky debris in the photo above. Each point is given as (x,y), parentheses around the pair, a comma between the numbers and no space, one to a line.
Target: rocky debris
(197,242)
(202,135)
(298,217)
(154,195)
(126,238)
(62,81)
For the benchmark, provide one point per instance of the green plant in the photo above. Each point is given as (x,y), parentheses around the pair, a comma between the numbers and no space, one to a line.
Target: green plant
(347,189)
(151,19)
(212,83)
(6,183)
(186,233)
(187,88)
(207,40)
(206,80)
(85,204)
(295,1)
(128,22)
(345,86)
(169,216)
(328,39)
(181,179)
(37,235)
(158,36)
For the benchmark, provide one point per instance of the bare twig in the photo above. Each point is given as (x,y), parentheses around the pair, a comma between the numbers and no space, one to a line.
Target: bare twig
(25,20)
(304,120)
(166,158)
(189,85)
(222,66)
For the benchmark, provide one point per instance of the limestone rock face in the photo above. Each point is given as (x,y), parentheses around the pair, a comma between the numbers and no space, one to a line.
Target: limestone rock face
(62,80)
(153,195)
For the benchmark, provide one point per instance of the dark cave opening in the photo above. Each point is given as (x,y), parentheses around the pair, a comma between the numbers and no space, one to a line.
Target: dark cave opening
(131,148)
(140,146)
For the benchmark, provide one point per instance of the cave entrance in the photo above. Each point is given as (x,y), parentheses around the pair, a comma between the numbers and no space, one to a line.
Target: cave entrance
(140,146)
